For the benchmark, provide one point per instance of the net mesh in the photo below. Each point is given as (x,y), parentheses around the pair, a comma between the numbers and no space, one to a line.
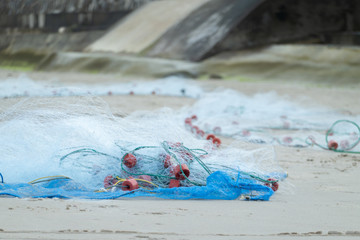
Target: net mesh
(80,138)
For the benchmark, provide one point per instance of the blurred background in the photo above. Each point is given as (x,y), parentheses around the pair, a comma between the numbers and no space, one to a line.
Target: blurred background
(298,40)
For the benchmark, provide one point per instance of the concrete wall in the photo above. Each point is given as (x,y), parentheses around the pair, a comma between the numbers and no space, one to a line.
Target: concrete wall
(230,25)
(277,21)
(192,38)
(52,22)
(76,15)
(47,42)
(142,28)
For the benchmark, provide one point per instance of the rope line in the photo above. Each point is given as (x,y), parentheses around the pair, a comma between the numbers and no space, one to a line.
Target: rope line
(311,140)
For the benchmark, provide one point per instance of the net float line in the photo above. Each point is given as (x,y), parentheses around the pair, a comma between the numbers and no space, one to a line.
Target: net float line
(333,145)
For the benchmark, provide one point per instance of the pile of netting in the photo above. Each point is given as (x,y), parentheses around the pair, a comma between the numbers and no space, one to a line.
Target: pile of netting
(75,148)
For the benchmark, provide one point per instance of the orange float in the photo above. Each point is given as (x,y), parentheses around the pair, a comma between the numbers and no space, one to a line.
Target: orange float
(129,160)
(174,183)
(109,181)
(333,145)
(181,172)
(216,141)
(210,137)
(273,185)
(129,185)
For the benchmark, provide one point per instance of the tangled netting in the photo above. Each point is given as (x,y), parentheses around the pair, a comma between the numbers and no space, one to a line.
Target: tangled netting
(269,119)
(75,147)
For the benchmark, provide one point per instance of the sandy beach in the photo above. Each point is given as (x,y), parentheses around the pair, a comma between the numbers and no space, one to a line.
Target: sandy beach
(319,199)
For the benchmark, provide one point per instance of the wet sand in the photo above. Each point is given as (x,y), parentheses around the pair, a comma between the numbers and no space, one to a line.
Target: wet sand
(319,199)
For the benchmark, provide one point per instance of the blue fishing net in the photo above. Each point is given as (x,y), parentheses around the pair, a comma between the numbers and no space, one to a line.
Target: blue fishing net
(219,186)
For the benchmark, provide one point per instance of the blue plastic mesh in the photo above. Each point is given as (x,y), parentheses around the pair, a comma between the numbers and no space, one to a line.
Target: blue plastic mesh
(219,186)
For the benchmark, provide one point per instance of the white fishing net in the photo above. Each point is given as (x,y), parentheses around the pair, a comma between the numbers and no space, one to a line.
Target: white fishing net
(262,118)
(23,86)
(80,138)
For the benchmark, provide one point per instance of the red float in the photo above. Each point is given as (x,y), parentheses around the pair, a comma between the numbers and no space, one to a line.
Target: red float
(129,160)
(333,145)
(210,137)
(130,185)
(194,117)
(109,181)
(216,141)
(174,183)
(274,185)
(179,175)
(167,161)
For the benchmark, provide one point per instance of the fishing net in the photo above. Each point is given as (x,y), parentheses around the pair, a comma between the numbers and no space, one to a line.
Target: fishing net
(103,156)
(23,86)
(264,119)
(342,136)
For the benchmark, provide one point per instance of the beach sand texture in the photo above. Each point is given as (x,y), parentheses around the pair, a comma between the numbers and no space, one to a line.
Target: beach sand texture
(321,197)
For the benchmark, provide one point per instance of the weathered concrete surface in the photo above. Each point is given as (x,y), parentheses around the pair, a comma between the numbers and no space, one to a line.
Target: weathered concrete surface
(47,43)
(22,7)
(203,29)
(80,15)
(139,30)
(277,21)
(231,25)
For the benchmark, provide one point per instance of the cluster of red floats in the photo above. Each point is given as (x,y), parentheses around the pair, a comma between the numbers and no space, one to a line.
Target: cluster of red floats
(178,173)
(201,133)
(217,130)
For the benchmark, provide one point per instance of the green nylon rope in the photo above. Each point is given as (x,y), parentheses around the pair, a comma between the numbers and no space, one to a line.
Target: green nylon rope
(171,150)
(311,141)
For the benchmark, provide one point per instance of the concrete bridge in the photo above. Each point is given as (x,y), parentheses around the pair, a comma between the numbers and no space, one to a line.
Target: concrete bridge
(194,30)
